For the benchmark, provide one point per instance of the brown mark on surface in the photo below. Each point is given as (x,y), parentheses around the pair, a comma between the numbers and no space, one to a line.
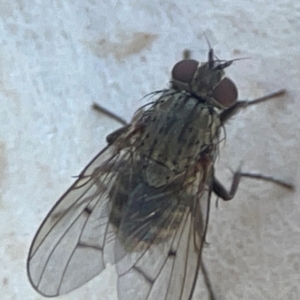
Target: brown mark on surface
(15,250)
(237,52)
(127,44)
(4,281)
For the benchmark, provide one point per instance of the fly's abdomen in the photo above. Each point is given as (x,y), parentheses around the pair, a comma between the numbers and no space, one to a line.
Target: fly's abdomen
(143,214)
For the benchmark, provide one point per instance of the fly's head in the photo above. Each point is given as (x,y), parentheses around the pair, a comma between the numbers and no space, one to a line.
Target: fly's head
(205,80)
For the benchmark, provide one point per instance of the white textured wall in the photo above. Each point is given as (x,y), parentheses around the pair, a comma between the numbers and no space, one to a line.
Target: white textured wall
(57,57)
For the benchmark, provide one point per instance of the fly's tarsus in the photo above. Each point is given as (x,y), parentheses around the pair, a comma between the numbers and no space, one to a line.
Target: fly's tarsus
(267,97)
(231,111)
(107,112)
(269,179)
(207,282)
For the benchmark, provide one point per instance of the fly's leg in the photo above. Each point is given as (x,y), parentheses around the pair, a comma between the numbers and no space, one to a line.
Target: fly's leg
(231,111)
(224,117)
(207,282)
(114,135)
(107,112)
(220,191)
(268,178)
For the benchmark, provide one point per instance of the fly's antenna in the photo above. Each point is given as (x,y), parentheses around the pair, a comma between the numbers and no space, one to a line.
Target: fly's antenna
(211,54)
(212,58)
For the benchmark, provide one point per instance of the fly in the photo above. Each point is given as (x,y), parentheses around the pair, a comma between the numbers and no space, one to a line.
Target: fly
(143,202)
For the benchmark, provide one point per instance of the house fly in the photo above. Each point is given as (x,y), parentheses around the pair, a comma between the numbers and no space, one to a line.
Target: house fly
(143,202)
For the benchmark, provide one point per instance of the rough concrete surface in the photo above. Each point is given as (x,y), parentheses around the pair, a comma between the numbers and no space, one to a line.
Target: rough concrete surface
(58,57)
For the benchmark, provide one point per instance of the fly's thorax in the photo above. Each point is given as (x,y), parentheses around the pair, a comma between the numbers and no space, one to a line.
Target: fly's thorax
(178,128)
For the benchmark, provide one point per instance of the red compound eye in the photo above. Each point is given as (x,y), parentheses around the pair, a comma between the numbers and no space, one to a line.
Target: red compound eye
(184,70)
(225,92)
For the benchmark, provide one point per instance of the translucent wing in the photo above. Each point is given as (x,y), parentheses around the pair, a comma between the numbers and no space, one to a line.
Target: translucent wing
(167,267)
(110,214)
(67,250)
